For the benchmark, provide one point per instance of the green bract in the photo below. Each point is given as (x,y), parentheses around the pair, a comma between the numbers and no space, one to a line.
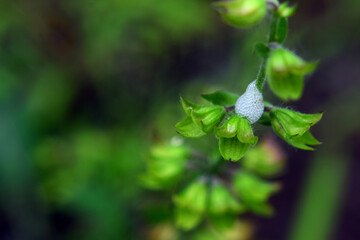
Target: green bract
(165,165)
(201,119)
(241,13)
(191,204)
(266,159)
(255,192)
(285,11)
(286,73)
(235,136)
(222,202)
(294,127)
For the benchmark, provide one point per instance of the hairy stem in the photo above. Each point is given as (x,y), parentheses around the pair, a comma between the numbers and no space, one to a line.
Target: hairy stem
(260,80)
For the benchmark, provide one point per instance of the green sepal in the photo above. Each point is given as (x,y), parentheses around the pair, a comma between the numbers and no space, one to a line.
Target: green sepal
(188,106)
(245,133)
(193,197)
(187,219)
(261,50)
(208,116)
(266,159)
(188,128)
(232,149)
(223,223)
(255,192)
(222,202)
(294,123)
(222,98)
(303,141)
(164,166)
(286,73)
(229,128)
(285,11)
(241,13)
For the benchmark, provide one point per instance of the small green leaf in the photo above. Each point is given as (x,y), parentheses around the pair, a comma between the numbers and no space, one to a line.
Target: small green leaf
(189,129)
(281,30)
(261,50)
(222,98)
(232,149)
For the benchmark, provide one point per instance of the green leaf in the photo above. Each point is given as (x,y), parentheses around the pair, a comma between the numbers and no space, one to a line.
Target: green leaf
(188,128)
(261,50)
(281,30)
(222,98)
(232,149)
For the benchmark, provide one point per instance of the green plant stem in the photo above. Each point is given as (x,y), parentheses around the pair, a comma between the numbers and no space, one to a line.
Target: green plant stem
(261,76)
(260,80)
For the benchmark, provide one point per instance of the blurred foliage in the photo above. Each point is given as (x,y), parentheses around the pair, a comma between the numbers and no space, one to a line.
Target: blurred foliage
(86,85)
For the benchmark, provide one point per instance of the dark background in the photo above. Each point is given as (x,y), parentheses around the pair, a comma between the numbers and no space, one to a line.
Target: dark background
(86,87)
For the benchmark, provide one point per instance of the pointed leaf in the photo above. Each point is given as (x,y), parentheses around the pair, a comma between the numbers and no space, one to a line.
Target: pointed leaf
(189,129)
(281,30)
(261,50)
(222,98)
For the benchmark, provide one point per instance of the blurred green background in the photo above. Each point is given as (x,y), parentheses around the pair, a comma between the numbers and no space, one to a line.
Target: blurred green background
(86,87)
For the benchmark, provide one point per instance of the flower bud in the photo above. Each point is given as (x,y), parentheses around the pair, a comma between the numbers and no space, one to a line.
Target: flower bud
(250,105)
(193,196)
(241,13)
(286,73)
(235,137)
(165,165)
(222,202)
(255,192)
(204,116)
(191,204)
(285,11)
(294,127)
(237,126)
(266,159)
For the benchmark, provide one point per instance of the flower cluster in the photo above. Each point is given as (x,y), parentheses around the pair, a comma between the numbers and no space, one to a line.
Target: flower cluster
(204,193)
